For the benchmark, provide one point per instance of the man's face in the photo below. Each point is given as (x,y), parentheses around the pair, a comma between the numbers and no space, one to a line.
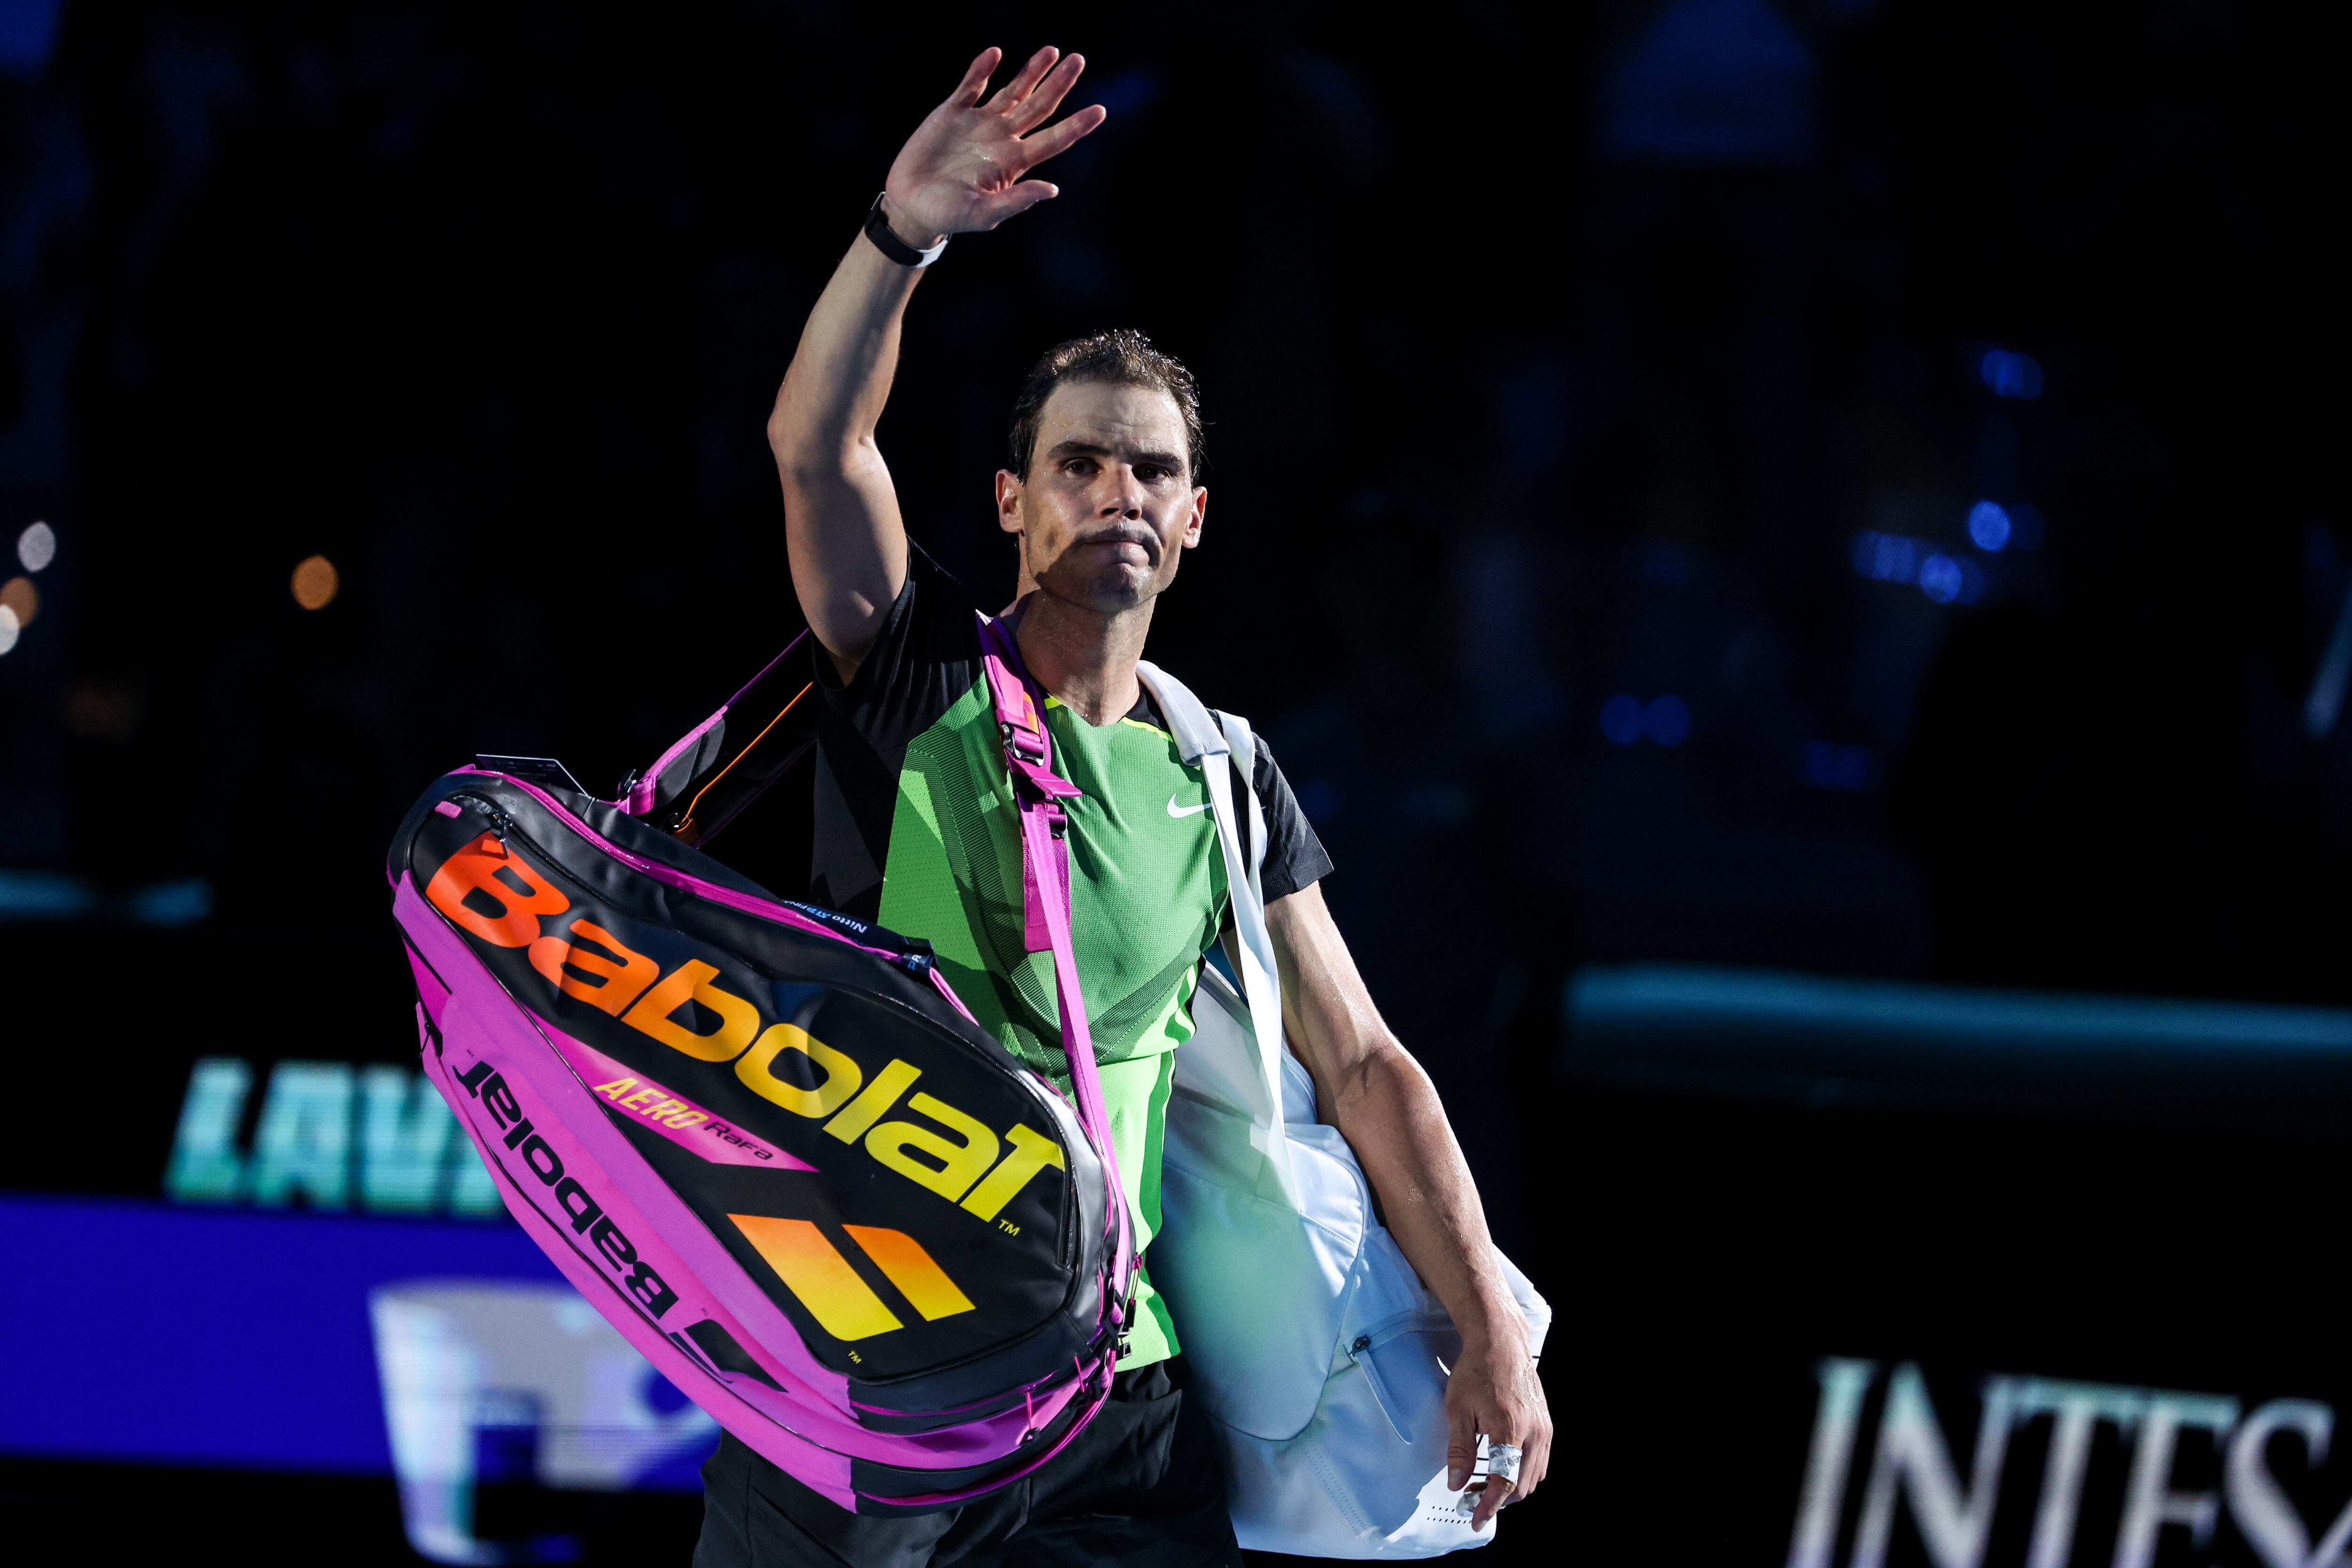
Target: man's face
(1109,504)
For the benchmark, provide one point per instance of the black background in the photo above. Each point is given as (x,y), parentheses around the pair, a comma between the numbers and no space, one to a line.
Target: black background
(487,304)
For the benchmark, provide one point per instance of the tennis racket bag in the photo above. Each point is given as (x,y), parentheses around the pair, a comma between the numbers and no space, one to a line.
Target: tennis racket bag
(763,1139)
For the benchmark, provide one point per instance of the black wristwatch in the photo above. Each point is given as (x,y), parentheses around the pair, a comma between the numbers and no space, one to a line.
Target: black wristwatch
(886,241)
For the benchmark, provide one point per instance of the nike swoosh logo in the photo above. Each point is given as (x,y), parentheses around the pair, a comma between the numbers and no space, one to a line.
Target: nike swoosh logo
(1188,811)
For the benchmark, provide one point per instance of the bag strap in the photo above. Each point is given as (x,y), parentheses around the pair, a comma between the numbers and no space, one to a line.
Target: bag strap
(1260,973)
(1037,796)
(1223,746)
(727,762)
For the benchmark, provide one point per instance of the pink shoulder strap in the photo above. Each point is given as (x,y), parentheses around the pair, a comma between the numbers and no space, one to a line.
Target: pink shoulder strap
(1038,794)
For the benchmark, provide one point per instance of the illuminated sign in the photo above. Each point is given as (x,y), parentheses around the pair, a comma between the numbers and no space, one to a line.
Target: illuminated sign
(329,1135)
(2187,1464)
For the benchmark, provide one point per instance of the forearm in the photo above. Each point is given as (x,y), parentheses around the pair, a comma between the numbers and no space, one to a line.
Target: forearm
(833,393)
(1390,1115)
(1385,1106)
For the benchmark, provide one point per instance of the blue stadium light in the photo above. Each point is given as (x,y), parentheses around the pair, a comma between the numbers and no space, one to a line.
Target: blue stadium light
(1945,578)
(1989,525)
(1667,720)
(1940,579)
(2011,374)
(44,895)
(57,896)
(179,903)
(1621,719)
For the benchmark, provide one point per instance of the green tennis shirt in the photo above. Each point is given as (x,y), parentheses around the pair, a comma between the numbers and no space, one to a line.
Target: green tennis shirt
(915,827)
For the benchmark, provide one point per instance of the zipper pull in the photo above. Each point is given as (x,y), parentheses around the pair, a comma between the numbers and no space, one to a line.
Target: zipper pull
(501,824)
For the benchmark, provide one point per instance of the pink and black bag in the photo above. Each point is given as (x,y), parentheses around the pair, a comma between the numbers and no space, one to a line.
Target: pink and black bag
(763,1139)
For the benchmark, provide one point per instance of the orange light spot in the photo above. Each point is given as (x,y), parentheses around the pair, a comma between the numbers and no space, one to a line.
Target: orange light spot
(19,595)
(315,582)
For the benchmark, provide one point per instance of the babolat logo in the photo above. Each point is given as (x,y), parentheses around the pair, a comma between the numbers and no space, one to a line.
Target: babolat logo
(495,897)
(586,1215)
(967,1164)
(844,1304)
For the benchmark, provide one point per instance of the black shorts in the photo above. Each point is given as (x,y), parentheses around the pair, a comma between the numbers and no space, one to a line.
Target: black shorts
(1139,1485)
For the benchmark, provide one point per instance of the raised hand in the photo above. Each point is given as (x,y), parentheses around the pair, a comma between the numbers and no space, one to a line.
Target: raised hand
(961,171)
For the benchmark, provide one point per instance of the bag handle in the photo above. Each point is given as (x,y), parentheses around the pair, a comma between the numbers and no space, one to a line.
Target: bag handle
(1038,794)
(697,787)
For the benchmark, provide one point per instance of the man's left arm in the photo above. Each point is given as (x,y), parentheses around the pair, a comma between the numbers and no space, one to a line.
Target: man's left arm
(1379,1098)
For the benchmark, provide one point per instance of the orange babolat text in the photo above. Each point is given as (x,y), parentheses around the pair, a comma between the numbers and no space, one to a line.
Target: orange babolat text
(484,872)
(651,1103)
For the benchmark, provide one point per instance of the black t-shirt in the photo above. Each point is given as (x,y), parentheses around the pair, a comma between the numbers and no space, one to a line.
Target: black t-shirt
(928,659)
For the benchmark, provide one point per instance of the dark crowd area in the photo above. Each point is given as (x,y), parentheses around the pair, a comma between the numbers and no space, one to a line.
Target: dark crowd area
(1586,402)
(1841,486)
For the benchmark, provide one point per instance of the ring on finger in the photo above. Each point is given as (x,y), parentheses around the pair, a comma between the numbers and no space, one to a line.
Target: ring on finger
(1503,1461)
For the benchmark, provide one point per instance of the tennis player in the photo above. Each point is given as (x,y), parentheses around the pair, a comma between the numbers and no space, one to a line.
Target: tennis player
(1100,494)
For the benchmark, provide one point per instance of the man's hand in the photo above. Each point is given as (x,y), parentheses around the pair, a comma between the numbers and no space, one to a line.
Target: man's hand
(960,171)
(1494,1390)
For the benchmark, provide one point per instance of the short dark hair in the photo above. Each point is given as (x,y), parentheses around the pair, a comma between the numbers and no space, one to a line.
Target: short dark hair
(1120,357)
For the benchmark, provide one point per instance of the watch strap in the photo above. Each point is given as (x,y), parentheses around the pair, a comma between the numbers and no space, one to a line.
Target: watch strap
(886,241)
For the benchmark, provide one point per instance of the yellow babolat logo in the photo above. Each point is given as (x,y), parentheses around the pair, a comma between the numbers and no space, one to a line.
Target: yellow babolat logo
(832,1290)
